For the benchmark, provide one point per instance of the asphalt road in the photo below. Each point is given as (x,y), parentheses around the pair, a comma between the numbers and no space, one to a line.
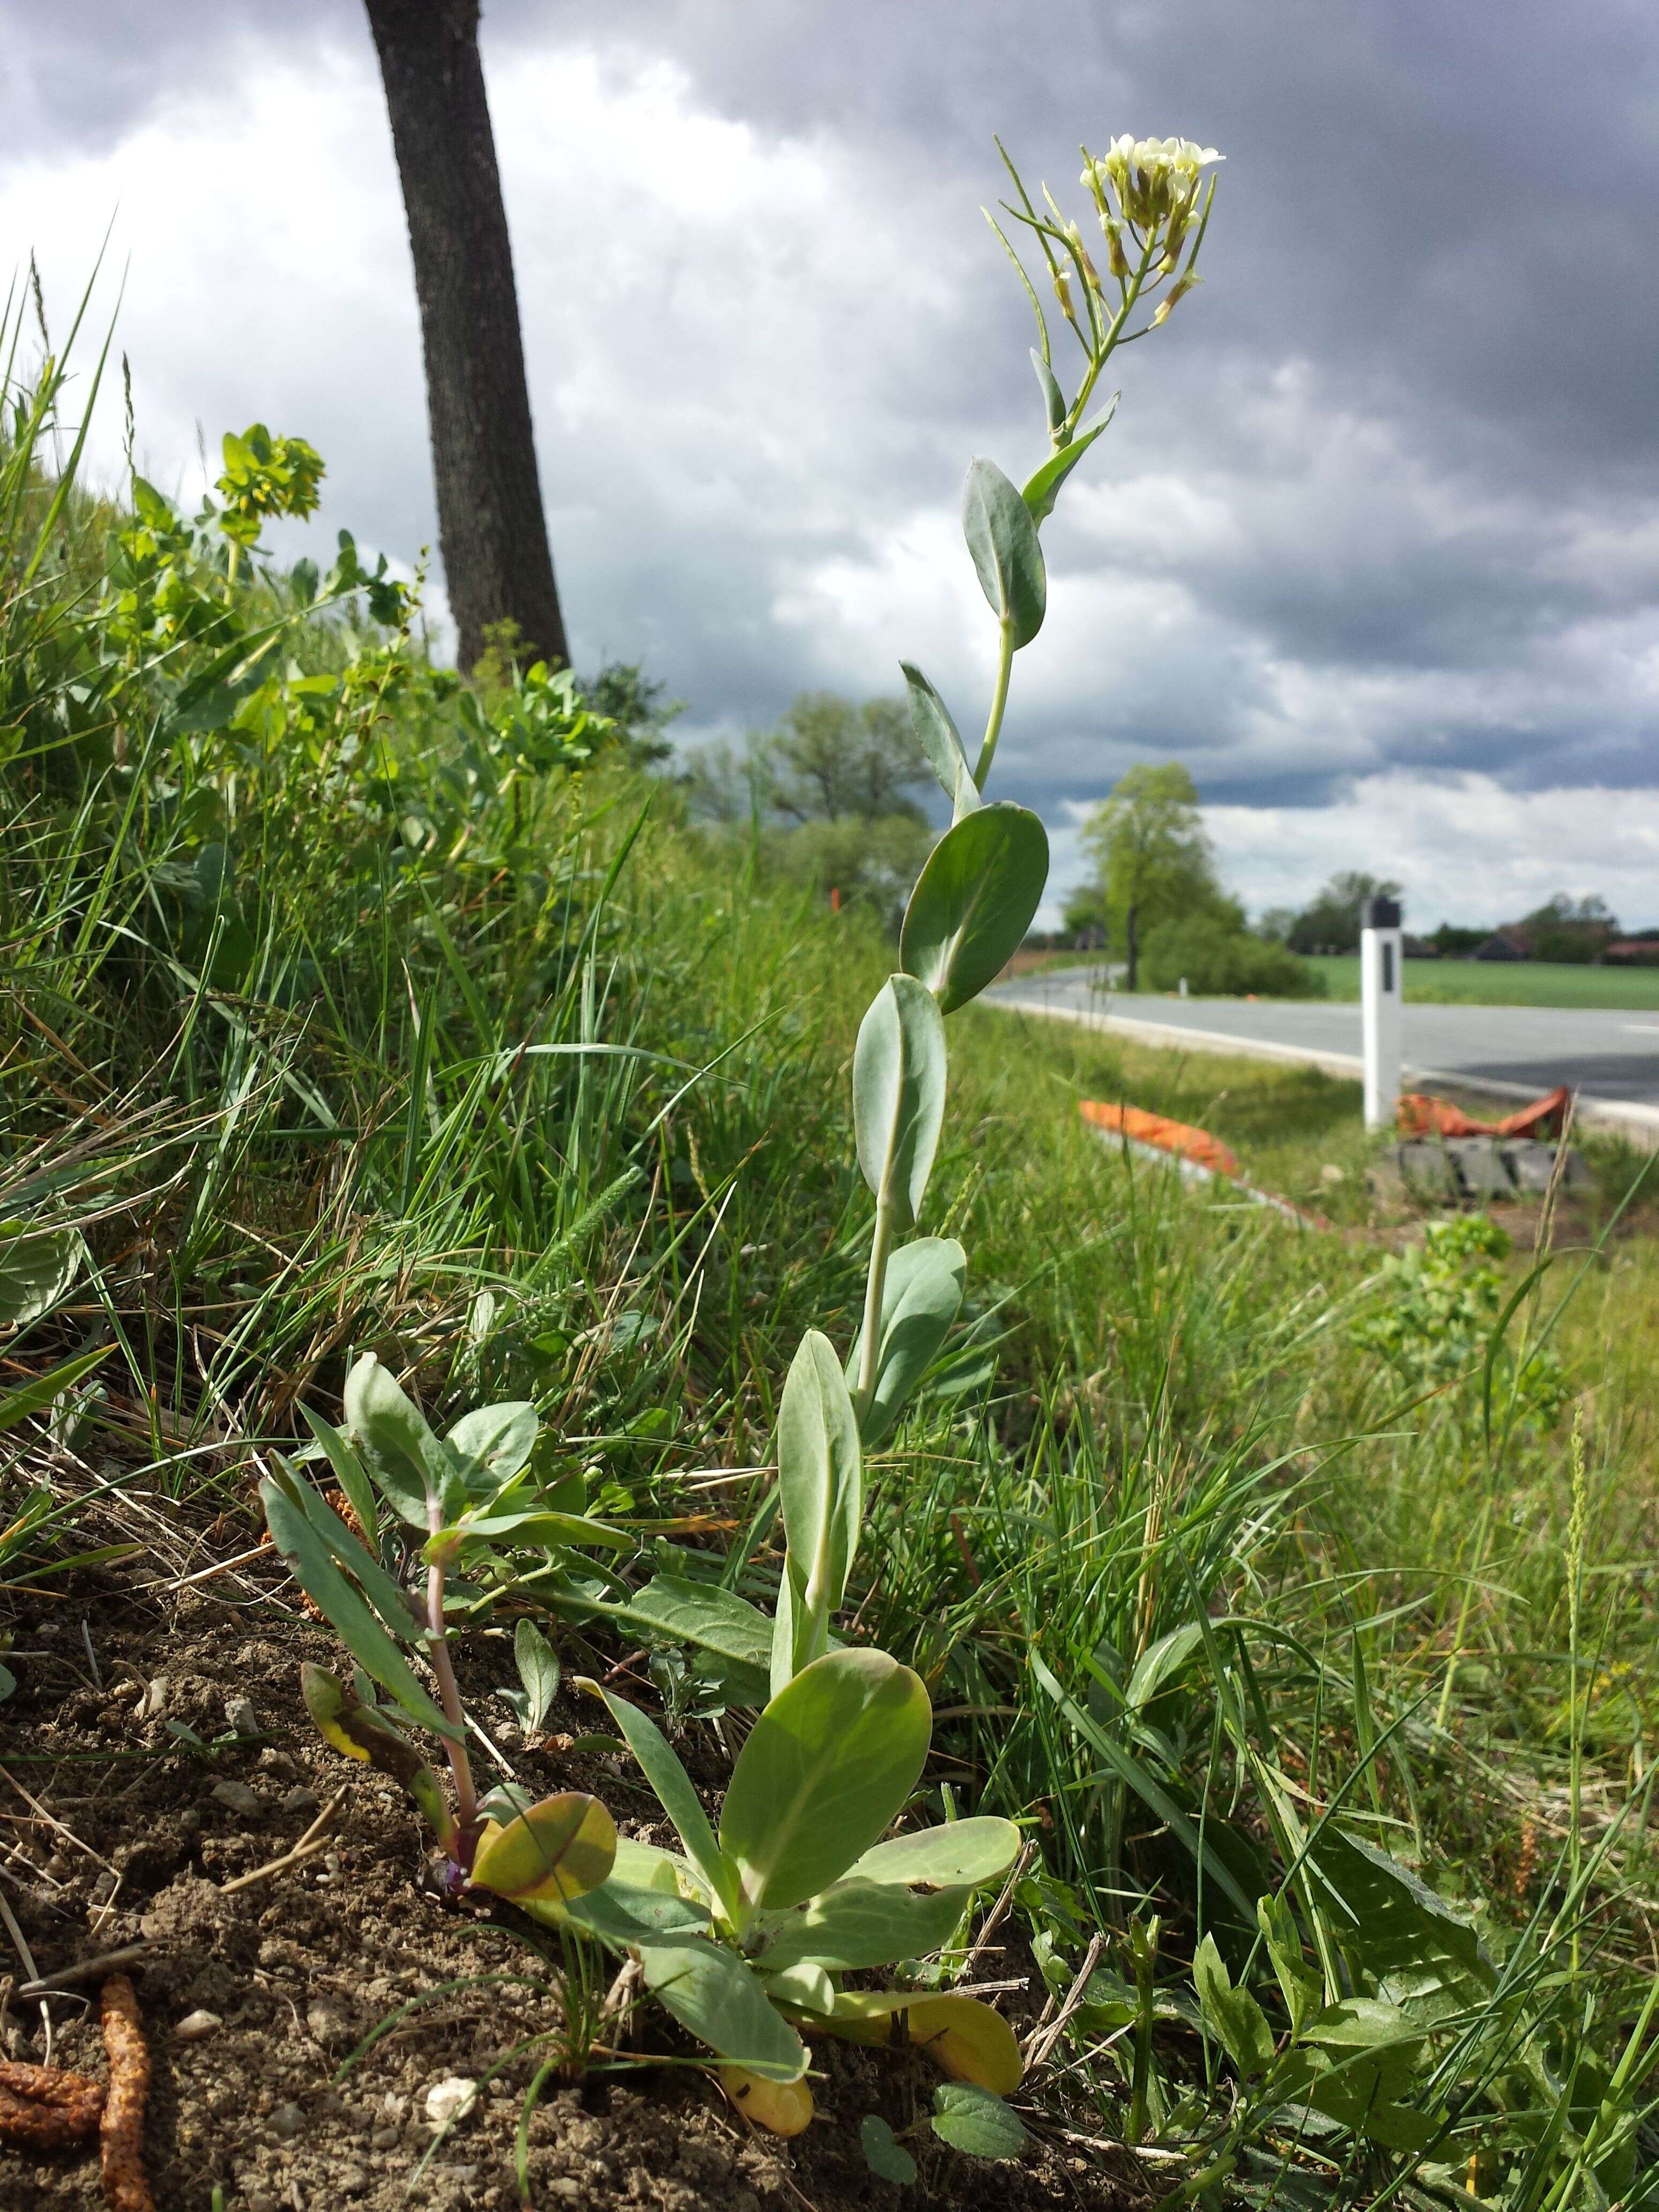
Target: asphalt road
(1610,1056)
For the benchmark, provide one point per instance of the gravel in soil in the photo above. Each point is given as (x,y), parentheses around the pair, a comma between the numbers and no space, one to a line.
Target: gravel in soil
(299,1969)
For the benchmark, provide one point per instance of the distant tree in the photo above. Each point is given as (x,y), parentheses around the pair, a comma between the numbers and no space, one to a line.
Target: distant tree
(1087,922)
(828,760)
(634,702)
(1330,922)
(829,790)
(498,563)
(1566,929)
(728,784)
(872,862)
(1453,943)
(1152,860)
(1276,924)
(831,759)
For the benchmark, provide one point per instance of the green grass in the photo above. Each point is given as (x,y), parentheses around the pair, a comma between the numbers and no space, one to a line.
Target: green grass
(1504,983)
(494,1069)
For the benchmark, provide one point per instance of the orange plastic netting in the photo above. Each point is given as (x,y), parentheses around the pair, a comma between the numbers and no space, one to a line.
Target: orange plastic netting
(1185,1142)
(1419,1114)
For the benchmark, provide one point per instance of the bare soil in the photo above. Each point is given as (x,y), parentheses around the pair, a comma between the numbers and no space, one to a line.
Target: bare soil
(135,1830)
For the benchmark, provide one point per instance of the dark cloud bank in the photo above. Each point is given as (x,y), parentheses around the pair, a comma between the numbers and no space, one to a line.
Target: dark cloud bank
(1381,498)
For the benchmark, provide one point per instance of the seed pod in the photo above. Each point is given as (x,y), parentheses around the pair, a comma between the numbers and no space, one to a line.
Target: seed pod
(125,2186)
(43,2108)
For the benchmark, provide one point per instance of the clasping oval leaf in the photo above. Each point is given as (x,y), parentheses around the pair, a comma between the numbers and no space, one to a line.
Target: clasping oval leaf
(974,901)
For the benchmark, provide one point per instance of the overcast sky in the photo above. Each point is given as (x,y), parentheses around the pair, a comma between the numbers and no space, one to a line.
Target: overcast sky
(1372,546)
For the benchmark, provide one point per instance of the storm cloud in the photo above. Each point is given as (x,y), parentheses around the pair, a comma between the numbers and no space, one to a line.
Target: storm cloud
(1372,546)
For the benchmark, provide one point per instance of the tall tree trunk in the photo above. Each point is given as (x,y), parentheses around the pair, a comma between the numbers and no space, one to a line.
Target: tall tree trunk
(1131,935)
(491,526)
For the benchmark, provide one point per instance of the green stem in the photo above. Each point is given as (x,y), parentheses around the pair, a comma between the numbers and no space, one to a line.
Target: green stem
(449,1696)
(1114,333)
(998,705)
(875,1283)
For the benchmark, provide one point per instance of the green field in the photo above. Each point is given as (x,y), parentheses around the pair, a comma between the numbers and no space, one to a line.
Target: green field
(1503,983)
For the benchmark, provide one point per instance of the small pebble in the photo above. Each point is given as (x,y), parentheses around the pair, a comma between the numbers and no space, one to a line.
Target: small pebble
(286,2122)
(237,1797)
(155,1699)
(301,1801)
(240,1712)
(450,2100)
(196,2026)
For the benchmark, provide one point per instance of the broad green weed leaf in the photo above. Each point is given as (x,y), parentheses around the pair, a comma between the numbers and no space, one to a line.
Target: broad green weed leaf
(1232,2015)
(37,1266)
(1302,1990)
(975,2120)
(825,1771)
(405,1459)
(701,1614)
(930,717)
(1003,540)
(961,1852)
(539,1671)
(802,1984)
(676,1795)
(560,1849)
(974,901)
(821,1493)
(883,2153)
(1427,1955)
(493,1444)
(715,1997)
(1043,488)
(536,1525)
(1373,2049)
(920,1299)
(624,1916)
(898,1094)
(855,1924)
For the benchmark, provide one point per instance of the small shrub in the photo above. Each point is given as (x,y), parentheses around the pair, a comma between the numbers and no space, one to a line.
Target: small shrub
(1220,961)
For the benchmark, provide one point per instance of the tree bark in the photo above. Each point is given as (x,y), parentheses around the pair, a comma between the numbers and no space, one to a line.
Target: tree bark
(1131,933)
(491,526)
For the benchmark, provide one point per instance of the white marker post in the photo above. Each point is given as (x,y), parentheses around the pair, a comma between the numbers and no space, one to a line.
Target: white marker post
(1379,1007)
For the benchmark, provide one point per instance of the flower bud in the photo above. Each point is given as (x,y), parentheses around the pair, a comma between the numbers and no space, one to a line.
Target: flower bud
(1063,293)
(1114,260)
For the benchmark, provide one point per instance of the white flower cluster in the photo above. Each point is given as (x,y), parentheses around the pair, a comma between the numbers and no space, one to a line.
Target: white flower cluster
(1156,180)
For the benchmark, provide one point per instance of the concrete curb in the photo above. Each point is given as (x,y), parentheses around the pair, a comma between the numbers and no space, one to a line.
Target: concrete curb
(1625,1117)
